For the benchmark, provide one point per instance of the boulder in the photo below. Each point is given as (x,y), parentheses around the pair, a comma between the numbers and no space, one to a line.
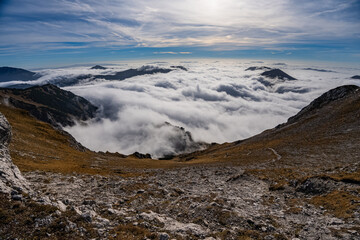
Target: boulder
(11,179)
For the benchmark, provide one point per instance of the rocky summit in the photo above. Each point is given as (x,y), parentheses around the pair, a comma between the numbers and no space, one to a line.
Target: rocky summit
(277,73)
(98,67)
(299,180)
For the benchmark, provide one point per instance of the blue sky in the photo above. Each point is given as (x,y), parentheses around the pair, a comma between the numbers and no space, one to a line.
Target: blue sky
(41,33)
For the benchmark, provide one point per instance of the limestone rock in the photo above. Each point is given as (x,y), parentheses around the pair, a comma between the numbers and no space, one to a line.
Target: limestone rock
(11,178)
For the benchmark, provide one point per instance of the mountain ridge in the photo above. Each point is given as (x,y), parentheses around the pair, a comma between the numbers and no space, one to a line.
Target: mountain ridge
(19,74)
(297,181)
(50,104)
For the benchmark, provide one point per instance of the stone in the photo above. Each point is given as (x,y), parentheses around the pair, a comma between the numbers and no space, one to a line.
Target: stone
(164,236)
(61,206)
(11,178)
(17,197)
(89,215)
(140,191)
(111,211)
(89,202)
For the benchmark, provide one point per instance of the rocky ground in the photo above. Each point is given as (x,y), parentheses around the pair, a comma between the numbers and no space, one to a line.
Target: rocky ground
(195,203)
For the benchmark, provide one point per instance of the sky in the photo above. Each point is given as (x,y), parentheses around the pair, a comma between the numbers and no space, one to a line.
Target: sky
(37,33)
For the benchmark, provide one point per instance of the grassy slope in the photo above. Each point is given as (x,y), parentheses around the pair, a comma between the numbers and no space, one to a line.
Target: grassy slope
(325,144)
(37,146)
(326,140)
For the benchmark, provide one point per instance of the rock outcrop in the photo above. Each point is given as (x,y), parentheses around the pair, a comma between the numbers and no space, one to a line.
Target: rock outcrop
(11,179)
(50,104)
(180,141)
(326,98)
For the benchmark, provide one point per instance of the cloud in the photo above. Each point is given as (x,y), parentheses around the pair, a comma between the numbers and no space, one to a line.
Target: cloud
(159,23)
(217,101)
(174,53)
(165,53)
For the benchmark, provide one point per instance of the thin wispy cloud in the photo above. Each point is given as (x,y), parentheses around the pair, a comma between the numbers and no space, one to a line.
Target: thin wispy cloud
(173,53)
(165,24)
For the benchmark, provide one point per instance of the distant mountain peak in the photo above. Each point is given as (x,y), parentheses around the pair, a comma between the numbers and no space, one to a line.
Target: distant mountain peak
(277,73)
(16,74)
(257,68)
(99,67)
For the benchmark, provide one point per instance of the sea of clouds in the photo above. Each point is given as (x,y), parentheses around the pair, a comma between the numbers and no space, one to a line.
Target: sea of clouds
(216,100)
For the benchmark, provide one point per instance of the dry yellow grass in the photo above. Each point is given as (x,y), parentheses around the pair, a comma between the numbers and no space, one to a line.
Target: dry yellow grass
(340,203)
(306,148)
(37,146)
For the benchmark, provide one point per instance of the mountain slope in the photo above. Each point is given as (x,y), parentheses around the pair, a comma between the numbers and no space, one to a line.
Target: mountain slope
(16,74)
(277,73)
(50,104)
(119,76)
(323,134)
(38,146)
(144,70)
(298,180)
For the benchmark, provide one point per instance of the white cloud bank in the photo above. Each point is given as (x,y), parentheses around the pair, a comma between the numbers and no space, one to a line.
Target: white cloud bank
(217,101)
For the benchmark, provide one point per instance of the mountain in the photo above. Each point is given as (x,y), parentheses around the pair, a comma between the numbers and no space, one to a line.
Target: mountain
(98,67)
(50,104)
(277,73)
(323,100)
(180,141)
(16,74)
(121,75)
(257,68)
(11,179)
(325,133)
(317,70)
(299,180)
(144,70)
(180,67)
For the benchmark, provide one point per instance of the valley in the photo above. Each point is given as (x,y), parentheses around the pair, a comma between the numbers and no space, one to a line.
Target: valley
(298,180)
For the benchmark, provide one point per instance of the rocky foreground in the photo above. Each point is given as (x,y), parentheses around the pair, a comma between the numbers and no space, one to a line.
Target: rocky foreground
(195,203)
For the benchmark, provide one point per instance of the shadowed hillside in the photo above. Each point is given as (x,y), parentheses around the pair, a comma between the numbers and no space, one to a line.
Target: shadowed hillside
(50,104)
